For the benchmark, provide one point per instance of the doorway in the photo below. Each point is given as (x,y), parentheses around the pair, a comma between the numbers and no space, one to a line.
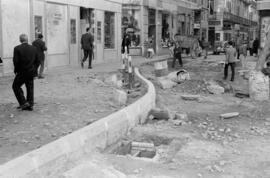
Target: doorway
(87,20)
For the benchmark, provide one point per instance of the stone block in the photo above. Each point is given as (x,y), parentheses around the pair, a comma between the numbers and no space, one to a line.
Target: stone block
(119,97)
(229,115)
(190,97)
(215,89)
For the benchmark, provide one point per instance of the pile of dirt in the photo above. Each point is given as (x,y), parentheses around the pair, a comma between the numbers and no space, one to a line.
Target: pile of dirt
(192,87)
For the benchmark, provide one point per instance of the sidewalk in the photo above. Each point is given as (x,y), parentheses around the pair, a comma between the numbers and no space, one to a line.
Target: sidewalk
(67,99)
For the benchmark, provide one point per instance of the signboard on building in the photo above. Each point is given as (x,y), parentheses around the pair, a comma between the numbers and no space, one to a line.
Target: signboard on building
(197,25)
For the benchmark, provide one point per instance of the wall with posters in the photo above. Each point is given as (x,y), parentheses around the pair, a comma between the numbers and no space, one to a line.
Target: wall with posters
(265,26)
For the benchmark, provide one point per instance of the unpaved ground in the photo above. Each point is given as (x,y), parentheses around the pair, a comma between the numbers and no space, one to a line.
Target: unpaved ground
(65,101)
(204,145)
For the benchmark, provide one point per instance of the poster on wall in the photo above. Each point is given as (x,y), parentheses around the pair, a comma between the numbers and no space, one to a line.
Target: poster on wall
(38,25)
(99,31)
(265,25)
(72,31)
(57,29)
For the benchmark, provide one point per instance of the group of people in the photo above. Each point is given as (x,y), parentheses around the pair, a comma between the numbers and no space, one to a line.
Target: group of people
(27,59)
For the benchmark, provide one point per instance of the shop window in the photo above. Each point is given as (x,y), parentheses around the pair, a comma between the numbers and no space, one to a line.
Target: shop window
(131,24)
(109,31)
(165,35)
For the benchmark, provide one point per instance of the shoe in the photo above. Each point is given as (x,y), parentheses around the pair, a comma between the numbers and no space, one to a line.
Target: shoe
(25,106)
(224,78)
(232,80)
(40,77)
(30,108)
(89,67)
(18,107)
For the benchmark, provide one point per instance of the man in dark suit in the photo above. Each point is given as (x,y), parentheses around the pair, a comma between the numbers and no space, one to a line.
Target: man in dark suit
(25,59)
(41,47)
(87,46)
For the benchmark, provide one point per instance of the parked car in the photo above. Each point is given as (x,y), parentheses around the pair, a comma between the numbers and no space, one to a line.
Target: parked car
(220,47)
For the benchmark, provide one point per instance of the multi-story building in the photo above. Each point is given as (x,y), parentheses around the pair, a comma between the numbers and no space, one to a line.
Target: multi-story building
(62,23)
(230,17)
(263,7)
(158,20)
(201,19)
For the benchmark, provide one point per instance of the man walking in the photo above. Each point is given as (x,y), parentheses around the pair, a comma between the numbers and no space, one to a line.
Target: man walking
(41,47)
(25,59)
(87,46)
(230,61)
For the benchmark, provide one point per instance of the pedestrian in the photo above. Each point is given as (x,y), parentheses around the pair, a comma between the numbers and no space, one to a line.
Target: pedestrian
(41,47)
(243,55)
(177,54)
(256,46)
(251,48)
(230,61)
(238,44)
(87,47)
(204,46)
(26,61)
(126,43)
(150,50)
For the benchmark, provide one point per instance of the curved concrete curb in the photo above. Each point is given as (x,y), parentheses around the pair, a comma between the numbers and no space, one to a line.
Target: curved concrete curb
(60,154)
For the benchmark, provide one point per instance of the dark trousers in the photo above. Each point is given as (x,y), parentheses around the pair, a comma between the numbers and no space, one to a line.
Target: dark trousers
(88,54)
(29,84)
(179,57)
(41,68)
(238,53)
(232,65)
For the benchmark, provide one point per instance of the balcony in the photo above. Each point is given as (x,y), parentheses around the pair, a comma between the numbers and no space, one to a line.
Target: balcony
(237,19)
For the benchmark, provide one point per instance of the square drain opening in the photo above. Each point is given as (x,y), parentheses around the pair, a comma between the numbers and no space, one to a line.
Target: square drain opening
(136,149)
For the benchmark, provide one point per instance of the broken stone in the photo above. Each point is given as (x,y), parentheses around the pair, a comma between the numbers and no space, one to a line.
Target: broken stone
(166,83)
(258,86)
(11,115)
(229,115)
(183,116)
(15,121)
(215,89)
(178,122)
(160,114)
(190,97)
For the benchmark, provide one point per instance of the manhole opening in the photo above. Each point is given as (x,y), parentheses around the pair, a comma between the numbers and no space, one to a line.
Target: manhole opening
(145,147)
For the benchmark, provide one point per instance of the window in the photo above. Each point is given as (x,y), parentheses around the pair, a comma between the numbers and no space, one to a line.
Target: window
(109,31)
(38,25)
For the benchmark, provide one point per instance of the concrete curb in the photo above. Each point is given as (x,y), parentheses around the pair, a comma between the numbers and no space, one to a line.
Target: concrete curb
(61,154)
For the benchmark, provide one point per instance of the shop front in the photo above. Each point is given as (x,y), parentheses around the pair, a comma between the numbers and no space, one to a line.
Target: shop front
(132,25)
(62,25)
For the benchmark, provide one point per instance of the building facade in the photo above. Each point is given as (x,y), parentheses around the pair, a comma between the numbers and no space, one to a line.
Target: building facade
(228,18)
(62,22)
(158,21)
(263,7)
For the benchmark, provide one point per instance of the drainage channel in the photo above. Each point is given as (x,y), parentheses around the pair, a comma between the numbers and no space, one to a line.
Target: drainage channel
(148,147)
